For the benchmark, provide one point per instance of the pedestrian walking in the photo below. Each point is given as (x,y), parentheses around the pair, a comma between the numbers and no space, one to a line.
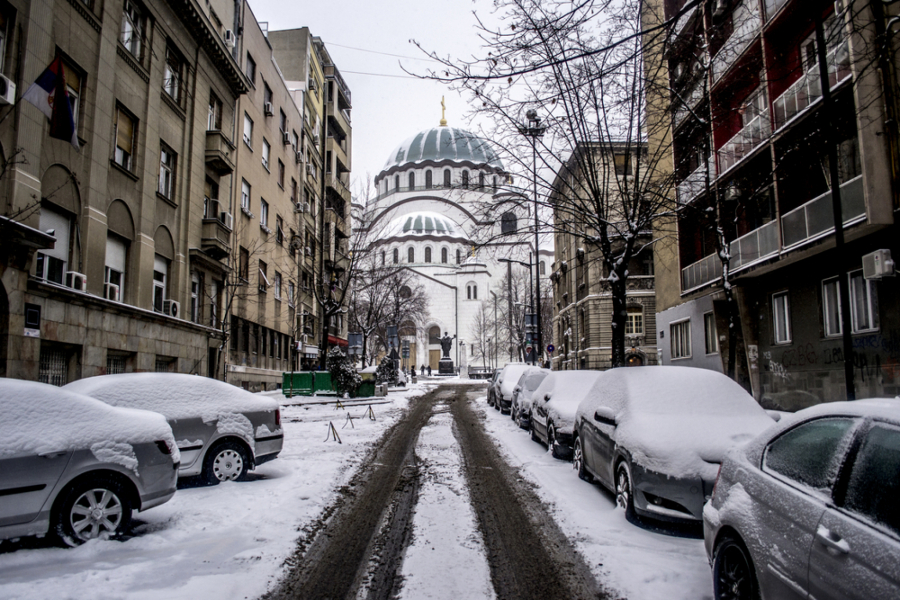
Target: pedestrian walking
(423,370)
(429,370)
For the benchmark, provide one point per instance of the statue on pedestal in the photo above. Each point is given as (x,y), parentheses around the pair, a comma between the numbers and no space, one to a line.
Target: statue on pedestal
(446,342)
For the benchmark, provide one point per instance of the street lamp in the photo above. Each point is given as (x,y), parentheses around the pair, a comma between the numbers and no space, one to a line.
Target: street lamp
(533,129)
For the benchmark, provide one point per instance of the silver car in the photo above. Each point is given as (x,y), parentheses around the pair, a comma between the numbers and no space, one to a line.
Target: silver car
(520,410)
(75,467)
(222,431)
(811,508)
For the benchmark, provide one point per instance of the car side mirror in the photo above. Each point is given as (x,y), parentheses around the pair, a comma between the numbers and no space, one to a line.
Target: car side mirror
(546,396)
(605,415)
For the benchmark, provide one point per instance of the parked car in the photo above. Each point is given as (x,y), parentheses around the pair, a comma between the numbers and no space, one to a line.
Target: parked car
(492,388)
(506,383)
(75,467)
(811,507)
(553,407)
(520,409)
(655,436)
(223,431)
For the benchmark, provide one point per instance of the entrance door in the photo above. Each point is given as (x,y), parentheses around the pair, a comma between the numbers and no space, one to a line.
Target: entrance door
(434,358)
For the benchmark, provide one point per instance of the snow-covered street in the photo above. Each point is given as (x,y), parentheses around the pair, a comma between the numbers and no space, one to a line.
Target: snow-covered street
(232,540)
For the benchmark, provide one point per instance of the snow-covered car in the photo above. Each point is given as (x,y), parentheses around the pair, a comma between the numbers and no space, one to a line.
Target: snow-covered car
(520,408)
(811,508)
(75,467)
(492,388)
(223,431)
(553,407)
(656,436)
(506,383)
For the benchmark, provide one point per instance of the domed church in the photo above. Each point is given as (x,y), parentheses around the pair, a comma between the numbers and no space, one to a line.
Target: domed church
(433,215)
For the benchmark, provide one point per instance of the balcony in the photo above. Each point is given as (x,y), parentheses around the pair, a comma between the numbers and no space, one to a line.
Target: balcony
(219,151)
(336,184)
(759,244)
(695,184)
(691,99)
(747,23)
(815,218)
(808,89)
(744,141)
(706,270)
(215,238)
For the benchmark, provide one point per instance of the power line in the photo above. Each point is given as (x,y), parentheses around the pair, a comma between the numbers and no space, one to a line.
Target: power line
(382,53)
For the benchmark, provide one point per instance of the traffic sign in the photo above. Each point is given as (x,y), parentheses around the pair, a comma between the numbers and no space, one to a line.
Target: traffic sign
(528,349)
(550,348)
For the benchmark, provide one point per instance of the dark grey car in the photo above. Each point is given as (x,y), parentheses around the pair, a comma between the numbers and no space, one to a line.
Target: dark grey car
(75,467)
(223,431)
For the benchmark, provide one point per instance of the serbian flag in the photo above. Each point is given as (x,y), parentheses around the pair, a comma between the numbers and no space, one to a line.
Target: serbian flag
(49,95)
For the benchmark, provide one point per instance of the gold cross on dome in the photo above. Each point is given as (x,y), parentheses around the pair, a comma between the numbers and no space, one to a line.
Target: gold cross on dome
(443,113)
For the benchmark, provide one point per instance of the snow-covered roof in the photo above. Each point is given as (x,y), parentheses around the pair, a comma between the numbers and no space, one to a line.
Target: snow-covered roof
(444,143)
(421,223)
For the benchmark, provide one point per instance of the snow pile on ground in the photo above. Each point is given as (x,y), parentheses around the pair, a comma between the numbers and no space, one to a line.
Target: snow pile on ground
(566,390)
(177,396)
(37,418)
(676,420)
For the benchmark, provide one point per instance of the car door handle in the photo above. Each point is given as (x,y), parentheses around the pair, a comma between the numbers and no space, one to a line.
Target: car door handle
(52,454)
(832,540)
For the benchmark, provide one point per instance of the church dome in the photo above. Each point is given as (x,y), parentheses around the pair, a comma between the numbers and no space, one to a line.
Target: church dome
(421,223)
(444,143)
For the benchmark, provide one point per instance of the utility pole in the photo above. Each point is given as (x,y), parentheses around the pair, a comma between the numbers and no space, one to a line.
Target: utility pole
(534,130)
(509,306)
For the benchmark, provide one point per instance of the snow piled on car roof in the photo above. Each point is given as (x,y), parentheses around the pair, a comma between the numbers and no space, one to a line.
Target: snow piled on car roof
(567,389)
(678,421)
(37,418)
(177,396)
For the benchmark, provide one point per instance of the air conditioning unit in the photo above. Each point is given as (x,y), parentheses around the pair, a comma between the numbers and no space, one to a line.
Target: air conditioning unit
(298,207)
(312,84)
(76,281)
(171,308)
(7,91)
(308,251)
(878,264)
(230,39)
(317,138)
(111,291)
(309,168)
(246,139)
(304,339)
(227,220)
(286,138)
(299,157)
(268,110)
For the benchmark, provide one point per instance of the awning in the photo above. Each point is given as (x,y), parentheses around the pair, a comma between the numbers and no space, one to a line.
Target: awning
(336,341)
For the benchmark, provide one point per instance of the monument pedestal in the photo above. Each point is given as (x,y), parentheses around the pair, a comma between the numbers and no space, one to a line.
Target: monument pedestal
(445,367)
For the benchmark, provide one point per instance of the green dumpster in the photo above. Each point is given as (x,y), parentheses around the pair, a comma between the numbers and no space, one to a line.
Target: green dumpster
(322,382)
(298,383)
(366,389)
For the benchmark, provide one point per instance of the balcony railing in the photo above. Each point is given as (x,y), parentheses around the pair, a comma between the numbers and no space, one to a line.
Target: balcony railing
(747,23)
(691,99)
(744,141)
(759,244)
(808,88)
(815,218)
(704,271)
(773,6)
(695,183)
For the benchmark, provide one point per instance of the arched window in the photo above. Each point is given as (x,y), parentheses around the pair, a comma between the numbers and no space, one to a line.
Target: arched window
(481,181)
(444,256)
(434,335)
(412,181)
(382,258)
(495,184)
(446,178)
(405,292)
(471,291)
(397,183)
(634,323)
(428,179)
(428,254)
(396,255)
(410,255)
(508,223)
(465,179)
(543,268)
(458,256)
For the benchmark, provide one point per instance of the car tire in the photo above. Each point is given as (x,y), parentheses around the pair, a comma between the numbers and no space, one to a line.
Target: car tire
(534,435)
(578,461)
(94,507)
(552,445)
(734,577)
(624,489)
(227,461)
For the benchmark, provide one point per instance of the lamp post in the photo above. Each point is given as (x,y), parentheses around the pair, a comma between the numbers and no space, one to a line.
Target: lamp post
(533,129)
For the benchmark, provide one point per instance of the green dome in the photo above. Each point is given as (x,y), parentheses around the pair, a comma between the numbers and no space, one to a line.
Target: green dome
(444,143)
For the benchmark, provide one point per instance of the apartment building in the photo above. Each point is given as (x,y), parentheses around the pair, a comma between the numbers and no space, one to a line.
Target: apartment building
(750,138)
(582,315)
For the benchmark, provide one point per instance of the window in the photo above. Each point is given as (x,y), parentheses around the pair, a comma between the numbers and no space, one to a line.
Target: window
(279,230)
(811,453)
(292,291)
(3,38)
(874,483)
(244,265)
(263,212)
(267,98)
(410,255)
(263,277)
(52,263)
(543,268)
(396,256)
(443,256)
(446,178)
(428,255)
(277,285)
(114,272)
(831,308)
(282,122)
(681,339)
(266,149)
(166,171)
(73,82)
(214,122)
(172,75)
(195,297)
(494,185)
(863,303)
(471,292)
(634,323)
(465,179)
(481,181)
(280,174)
(250,70)
(428,183)
(214,304)
(709,331)
(210,192)
(126,133)
(412,181)
(160,281)
(396,183)
(622,163)
(245,195)
(133,28)
(458,256)
(508,223)
(781,310)
(248,130)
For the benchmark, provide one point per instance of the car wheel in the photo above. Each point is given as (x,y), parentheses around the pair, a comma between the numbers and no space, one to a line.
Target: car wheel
(551,442)
(534,435)
(97,507)
(624,489)
(578,461)
(226,462)
(733,575)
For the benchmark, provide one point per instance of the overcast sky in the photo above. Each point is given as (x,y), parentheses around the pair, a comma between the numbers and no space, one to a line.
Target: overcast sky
(388,105)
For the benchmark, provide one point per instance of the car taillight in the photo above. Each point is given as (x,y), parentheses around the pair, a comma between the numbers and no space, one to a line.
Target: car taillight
(278,418)
(716,484)
(163,447)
